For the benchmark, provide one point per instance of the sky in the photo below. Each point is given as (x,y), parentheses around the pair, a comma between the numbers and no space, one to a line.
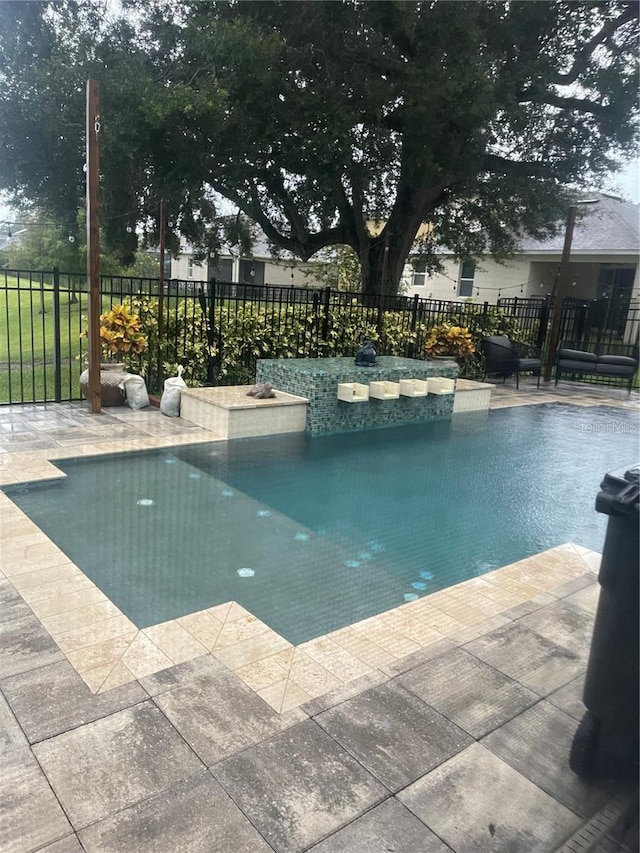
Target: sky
(628,181)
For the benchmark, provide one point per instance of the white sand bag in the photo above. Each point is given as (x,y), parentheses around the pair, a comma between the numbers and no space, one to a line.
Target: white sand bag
(135,392)
(170,400)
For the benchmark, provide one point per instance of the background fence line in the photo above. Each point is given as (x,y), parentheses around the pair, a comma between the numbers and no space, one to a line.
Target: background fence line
(42,314)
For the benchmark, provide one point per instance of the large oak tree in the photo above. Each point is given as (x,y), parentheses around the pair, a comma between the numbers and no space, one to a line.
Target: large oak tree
(317,119)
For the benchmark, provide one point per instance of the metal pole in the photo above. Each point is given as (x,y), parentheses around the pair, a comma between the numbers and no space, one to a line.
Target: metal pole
(57,361)
(93,242)
(385,260)
(561,287)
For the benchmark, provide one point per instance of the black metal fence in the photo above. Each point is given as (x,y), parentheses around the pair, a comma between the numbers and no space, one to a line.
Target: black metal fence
(219,329)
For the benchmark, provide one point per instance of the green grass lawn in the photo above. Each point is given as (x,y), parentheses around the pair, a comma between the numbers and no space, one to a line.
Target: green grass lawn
(27,342)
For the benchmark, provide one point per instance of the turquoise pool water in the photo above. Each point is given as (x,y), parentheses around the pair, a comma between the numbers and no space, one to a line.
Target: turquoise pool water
(310,534)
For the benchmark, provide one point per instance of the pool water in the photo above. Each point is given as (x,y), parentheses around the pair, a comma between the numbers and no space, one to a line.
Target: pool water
(311,534)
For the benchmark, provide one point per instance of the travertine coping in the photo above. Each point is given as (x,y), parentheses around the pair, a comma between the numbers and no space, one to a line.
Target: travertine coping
(236,397)
(472,396)
(471,385)
(108,650)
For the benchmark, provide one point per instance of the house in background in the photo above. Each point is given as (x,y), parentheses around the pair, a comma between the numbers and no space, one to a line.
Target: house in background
(260,268)
(603,263)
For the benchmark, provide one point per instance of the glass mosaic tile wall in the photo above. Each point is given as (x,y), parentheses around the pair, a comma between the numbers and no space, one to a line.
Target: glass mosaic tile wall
(318,378)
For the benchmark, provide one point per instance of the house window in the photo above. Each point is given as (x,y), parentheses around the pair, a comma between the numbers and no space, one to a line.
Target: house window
(252,272)
(467,273)
(191,266)
(419,273)
(221,270)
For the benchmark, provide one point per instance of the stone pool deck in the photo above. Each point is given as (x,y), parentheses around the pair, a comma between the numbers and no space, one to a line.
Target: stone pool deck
(442,725)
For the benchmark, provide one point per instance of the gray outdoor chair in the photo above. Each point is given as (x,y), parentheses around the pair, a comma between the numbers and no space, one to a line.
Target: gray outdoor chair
(503,357)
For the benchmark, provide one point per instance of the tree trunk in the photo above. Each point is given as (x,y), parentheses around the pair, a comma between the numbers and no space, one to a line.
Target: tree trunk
(383,257)
(382,262)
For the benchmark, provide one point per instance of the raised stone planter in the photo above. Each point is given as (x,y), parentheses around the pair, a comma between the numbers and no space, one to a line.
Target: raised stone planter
(230,413)
(472,396)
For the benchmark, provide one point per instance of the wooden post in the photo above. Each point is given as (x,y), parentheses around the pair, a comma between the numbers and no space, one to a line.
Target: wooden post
(161,294)
(93,243)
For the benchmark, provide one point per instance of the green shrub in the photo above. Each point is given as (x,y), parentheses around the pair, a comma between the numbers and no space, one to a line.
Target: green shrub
(243,333)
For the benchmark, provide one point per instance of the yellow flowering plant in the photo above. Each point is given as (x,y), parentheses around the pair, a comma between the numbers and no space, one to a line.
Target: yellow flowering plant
(447,339)
(120,332)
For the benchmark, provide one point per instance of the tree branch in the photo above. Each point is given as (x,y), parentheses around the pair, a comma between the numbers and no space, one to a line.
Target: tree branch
(302,248)
(275,185)
(514,168)
(581,105)
(582,60)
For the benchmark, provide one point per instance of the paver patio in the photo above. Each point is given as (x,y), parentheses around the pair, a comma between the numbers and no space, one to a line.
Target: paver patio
(445,726)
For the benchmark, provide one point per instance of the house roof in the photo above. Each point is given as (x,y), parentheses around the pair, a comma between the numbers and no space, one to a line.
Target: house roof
(260,248)
(612,226)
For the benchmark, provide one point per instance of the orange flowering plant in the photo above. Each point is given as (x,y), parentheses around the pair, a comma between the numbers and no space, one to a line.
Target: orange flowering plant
(447,339)
(120,332)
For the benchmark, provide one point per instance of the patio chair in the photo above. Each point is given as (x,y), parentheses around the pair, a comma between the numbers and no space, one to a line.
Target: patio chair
(503,357)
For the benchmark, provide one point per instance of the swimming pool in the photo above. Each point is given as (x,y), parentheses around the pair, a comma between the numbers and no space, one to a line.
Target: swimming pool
(311,534)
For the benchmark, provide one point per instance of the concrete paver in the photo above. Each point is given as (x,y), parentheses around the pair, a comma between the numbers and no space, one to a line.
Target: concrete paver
(205,712)
(53,699)
(475,802)
(467,691)
(12,604)
(564,624)
(25,645)
(195,815)
(116,761)
(518,743)
(389,826)
(393,734)
(569,698)
(11,734)
(31,816)
(534,661)
(298,786)
(70,844)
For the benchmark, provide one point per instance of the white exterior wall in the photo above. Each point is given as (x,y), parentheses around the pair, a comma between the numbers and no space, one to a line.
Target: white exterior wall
(292,274)
(180,269)
(526,275)
(275,272)
(490,279)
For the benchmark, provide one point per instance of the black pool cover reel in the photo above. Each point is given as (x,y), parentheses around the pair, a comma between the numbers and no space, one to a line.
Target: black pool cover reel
(608,732)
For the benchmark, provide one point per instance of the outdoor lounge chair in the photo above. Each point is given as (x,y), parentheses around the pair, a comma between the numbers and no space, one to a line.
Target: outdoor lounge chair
(504,357)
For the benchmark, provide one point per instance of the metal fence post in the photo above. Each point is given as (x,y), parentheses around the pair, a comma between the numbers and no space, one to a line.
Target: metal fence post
(543,322)
(325,318)
(211,302)
(411,349)
(57,361)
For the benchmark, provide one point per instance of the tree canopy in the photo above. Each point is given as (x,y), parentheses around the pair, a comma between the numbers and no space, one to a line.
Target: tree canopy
(317,119)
